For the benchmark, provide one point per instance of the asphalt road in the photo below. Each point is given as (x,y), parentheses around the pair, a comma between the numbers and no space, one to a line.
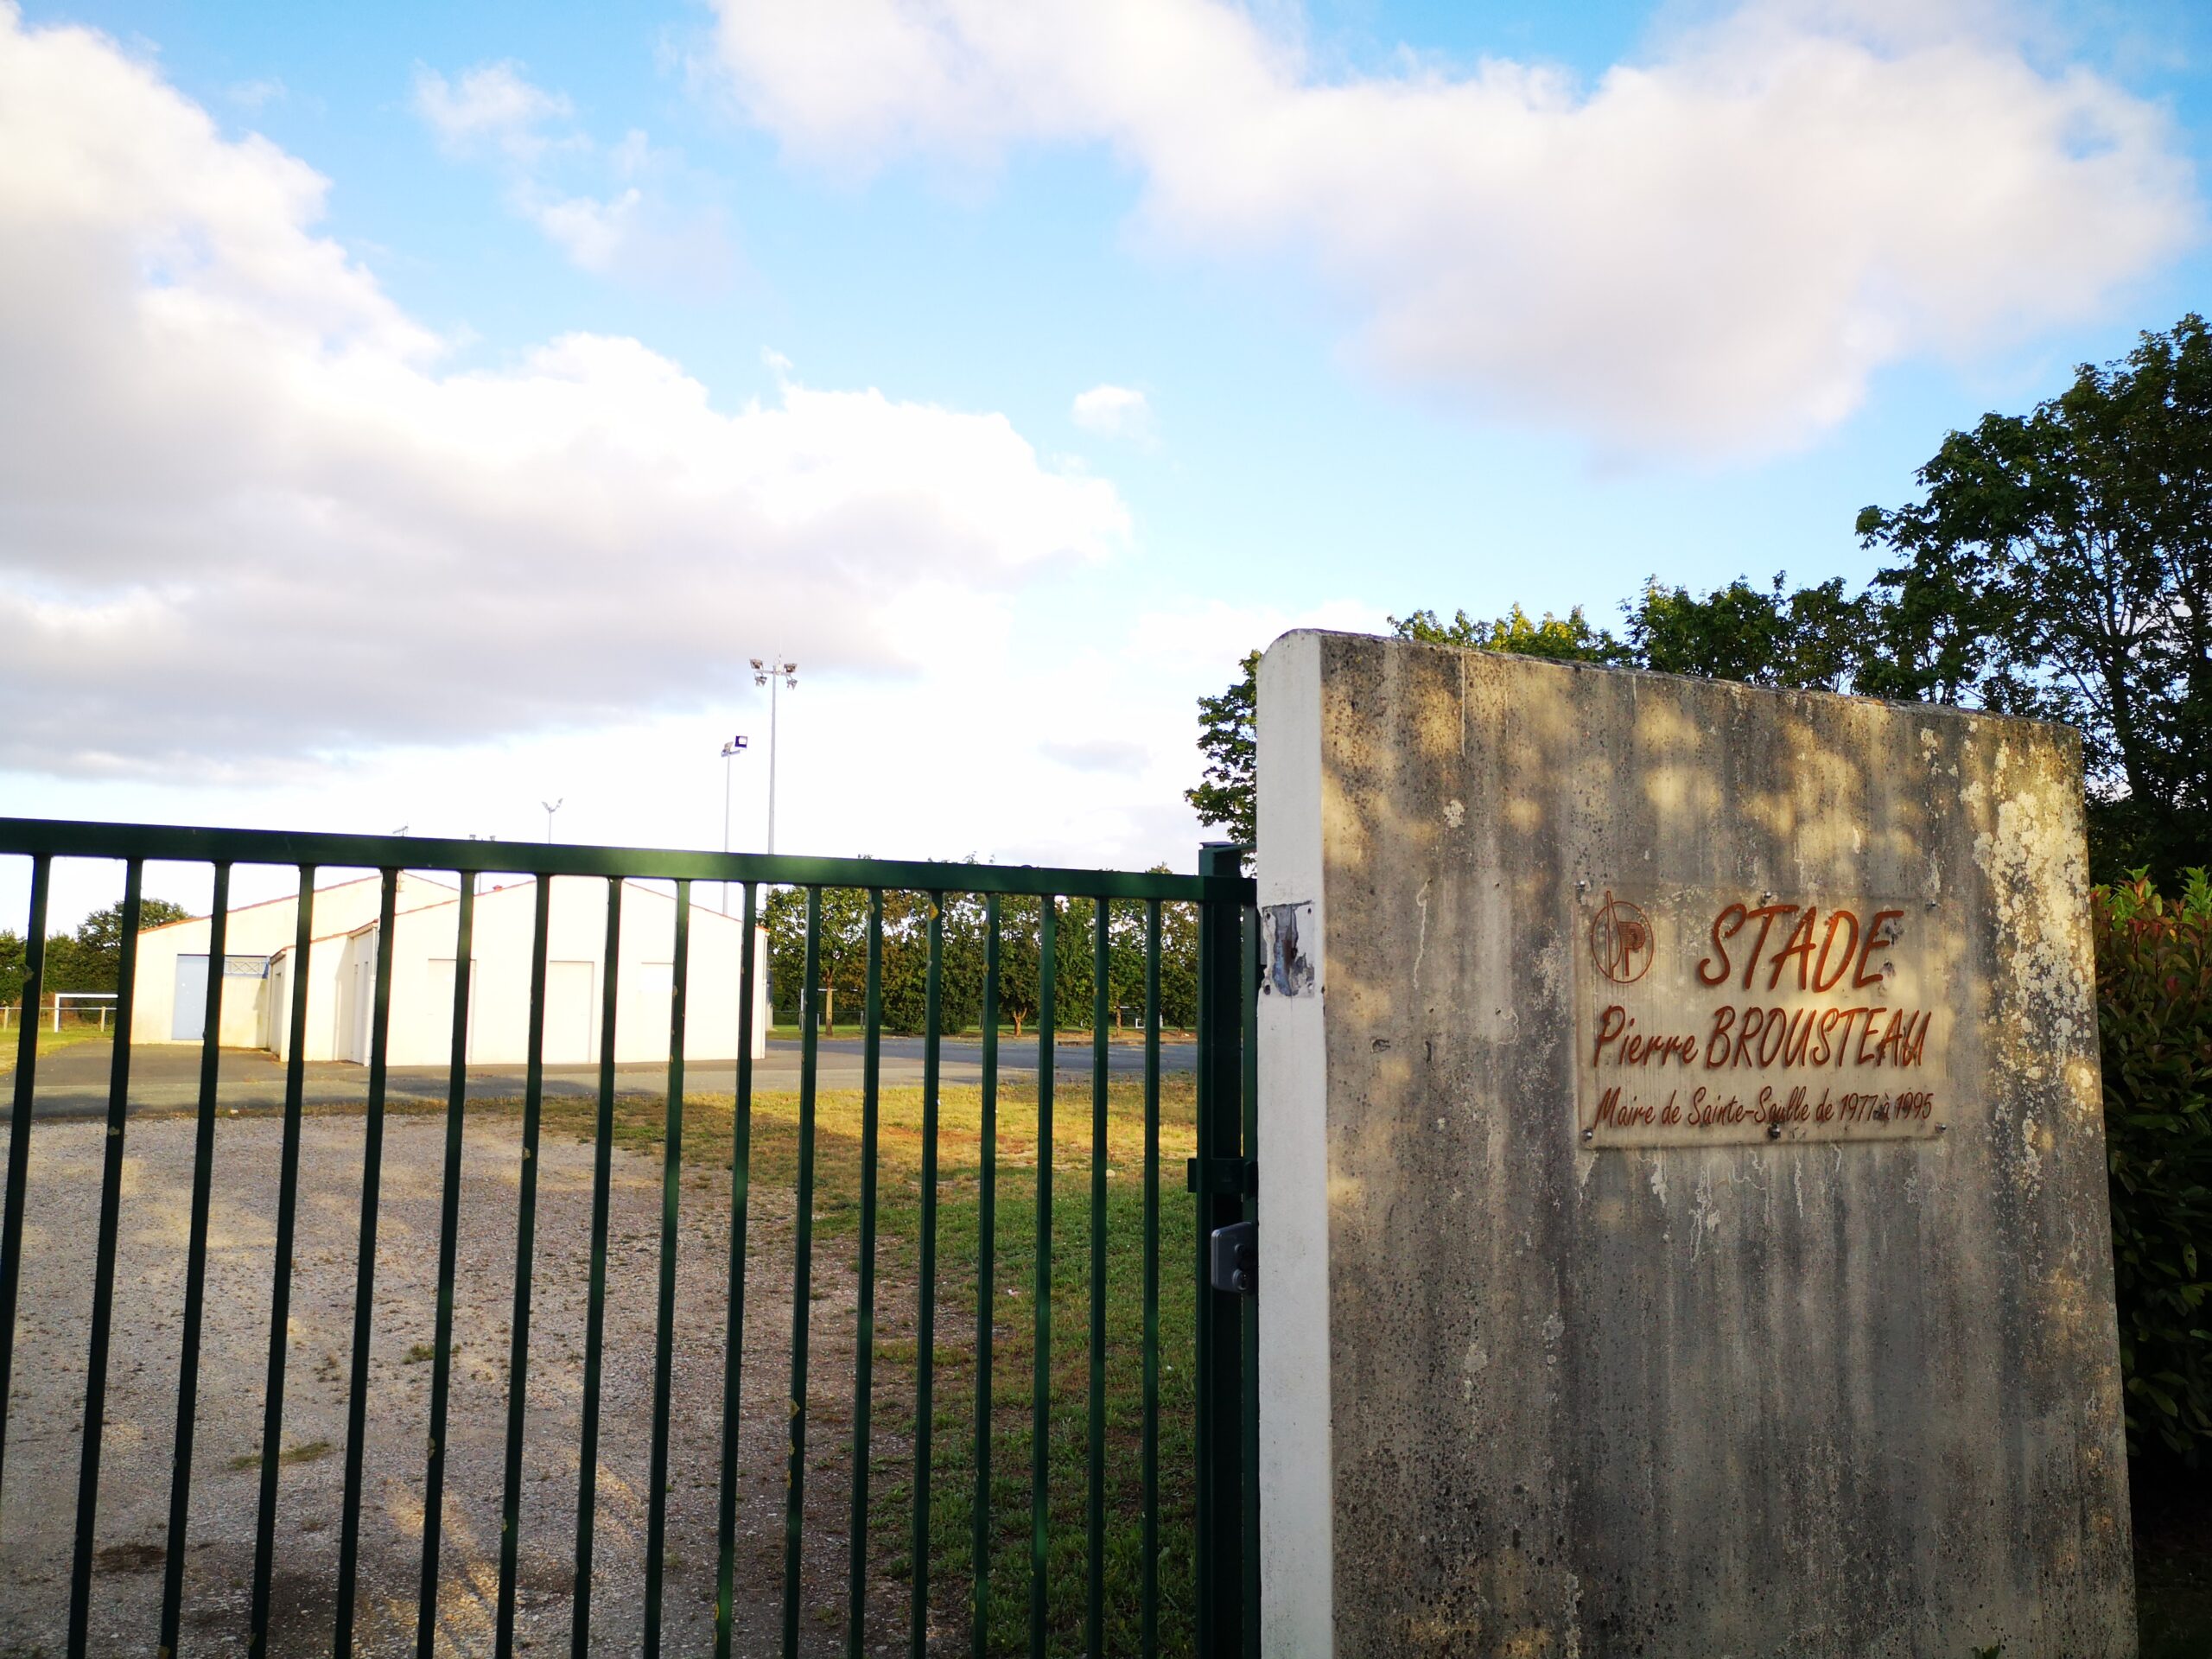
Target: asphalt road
(73,1082)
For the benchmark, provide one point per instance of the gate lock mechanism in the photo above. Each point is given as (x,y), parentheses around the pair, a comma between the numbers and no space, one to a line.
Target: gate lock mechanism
(1236,1258)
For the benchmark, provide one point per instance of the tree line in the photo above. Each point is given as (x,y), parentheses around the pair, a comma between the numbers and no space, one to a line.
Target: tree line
(88,960)
(2056,564)
(842,958)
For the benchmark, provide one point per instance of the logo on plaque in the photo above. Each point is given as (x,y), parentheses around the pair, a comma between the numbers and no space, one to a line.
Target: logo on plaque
(1620,941)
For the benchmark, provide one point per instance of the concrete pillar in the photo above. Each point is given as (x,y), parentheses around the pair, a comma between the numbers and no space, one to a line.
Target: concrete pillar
(1684,1227)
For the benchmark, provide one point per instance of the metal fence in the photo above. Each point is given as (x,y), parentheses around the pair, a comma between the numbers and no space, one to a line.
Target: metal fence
(1222,1175)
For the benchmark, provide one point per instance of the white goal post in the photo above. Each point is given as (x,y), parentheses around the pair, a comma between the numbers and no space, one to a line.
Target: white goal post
(104,998)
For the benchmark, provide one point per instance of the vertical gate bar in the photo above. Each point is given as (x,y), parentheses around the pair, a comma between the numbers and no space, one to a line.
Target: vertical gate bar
(280,1290)
(1220,1336)
(1040,1398)
(1095,1594)
(925,1323)
(533,1100)
(195,1265)
(1203,1563)
(1148,1591)
(864,1326)
(118,1099)
(740,1182)
(671,1195)
(365,1276)
(986,1311)
(19,1139)
(595,1315)
(257,1628)
(802,1273)
(1249,1306)
(433,1479)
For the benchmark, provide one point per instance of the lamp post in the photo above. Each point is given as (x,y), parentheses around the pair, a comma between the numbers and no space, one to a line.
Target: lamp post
(769,671)
(731,750)
(551,807)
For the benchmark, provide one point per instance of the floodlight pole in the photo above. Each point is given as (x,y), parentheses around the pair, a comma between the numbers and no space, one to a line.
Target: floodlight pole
(768,671)
(731,750)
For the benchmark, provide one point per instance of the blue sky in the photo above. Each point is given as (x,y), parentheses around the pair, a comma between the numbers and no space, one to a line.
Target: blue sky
(1392,306)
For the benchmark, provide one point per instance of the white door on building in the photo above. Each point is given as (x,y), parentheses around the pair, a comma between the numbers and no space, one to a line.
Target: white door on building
(277,1008)
(568,1011)
(364,1008)
(188,1016)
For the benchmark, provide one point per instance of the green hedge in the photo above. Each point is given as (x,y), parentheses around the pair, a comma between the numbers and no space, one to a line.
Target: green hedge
(2154,1005)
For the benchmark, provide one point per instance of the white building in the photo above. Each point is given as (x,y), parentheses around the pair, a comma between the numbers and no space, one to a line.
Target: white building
(170,1005)
(171,999)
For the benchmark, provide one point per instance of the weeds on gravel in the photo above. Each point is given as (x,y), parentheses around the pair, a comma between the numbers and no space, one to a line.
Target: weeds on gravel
(313,1452)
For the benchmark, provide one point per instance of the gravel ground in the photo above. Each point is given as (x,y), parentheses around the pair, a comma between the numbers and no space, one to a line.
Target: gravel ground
(45,1424)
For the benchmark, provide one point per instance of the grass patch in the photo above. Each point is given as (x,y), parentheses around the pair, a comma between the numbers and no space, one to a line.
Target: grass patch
(1013,1336)
(313,1452)
(48,1040)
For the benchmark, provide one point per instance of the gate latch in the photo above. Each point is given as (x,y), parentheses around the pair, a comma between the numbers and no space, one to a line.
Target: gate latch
(1236,1258)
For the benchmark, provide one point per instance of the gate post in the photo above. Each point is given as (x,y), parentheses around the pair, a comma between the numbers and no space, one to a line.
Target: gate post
(1222,1178)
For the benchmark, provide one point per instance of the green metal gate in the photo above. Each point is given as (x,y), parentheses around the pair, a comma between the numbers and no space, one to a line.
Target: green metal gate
(1198,1508)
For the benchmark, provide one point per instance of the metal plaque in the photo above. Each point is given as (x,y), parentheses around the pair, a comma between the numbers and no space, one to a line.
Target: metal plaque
(1706,1017)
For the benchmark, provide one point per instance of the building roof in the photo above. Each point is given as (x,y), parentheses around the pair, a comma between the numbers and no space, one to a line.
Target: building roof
(406,877)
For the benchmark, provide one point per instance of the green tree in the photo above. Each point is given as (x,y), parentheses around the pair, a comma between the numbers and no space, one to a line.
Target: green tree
(1019,958)
(1125,935)
(841,947)
(2154,1025)
(1178,966)
(960,994)
(15,964)
(906,919)
(2059,564)
(1567,638)
(90,959)
(1223,795)
(1074,978)
(1814,639)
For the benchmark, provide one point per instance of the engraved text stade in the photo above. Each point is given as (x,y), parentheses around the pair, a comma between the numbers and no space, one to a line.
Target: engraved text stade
(1807,957)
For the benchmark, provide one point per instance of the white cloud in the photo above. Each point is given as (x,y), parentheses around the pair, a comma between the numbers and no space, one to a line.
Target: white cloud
(634,234)
(1115,412)
(256,94)
(1710,250)
(492,103)
(1097,753)
(593,233)
(633,231)
(249,515)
